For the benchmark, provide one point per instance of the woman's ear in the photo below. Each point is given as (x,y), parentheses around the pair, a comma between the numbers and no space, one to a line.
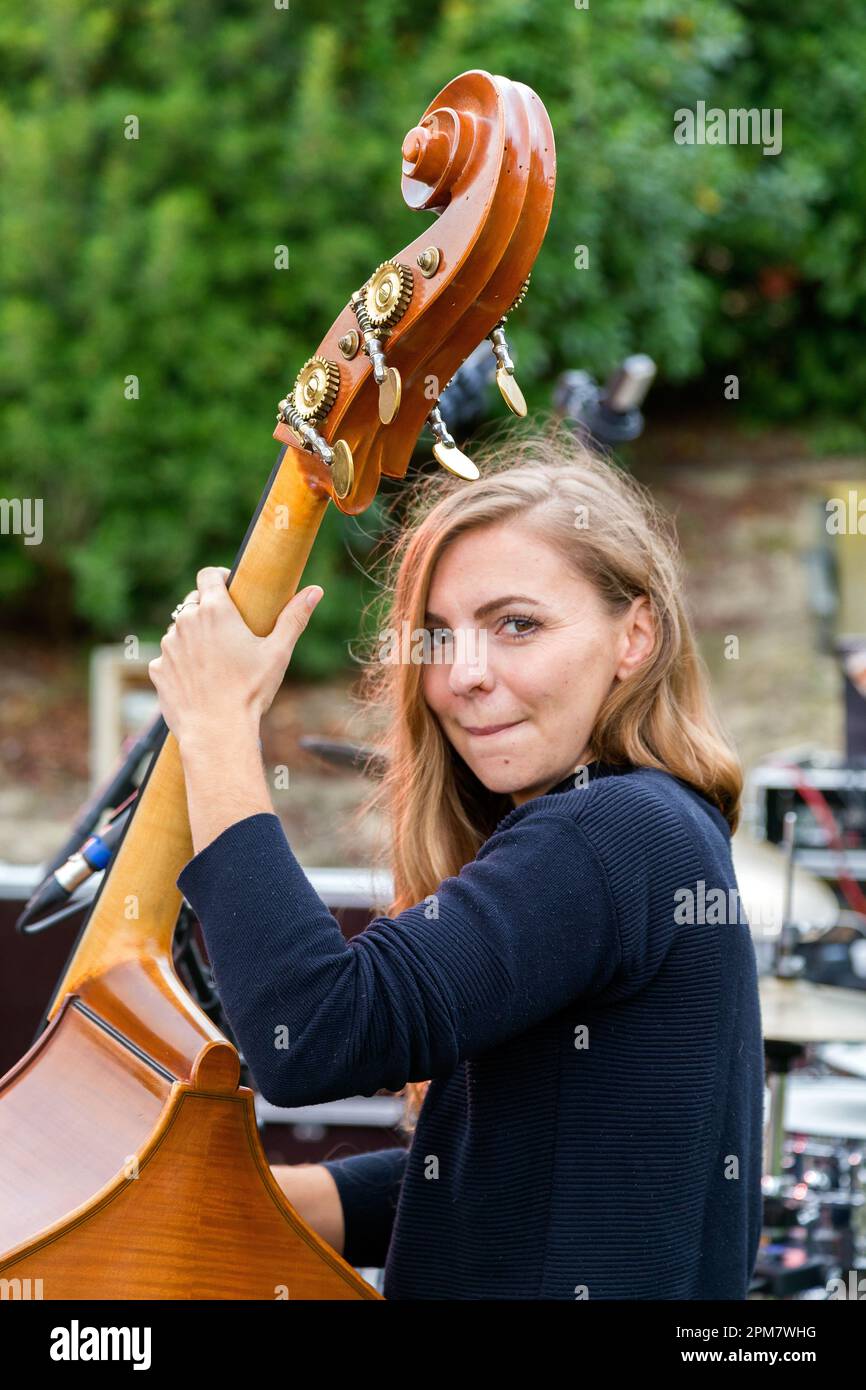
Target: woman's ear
(637,637)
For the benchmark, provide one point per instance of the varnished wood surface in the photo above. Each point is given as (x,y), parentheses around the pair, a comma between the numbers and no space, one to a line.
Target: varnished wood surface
(119,1184)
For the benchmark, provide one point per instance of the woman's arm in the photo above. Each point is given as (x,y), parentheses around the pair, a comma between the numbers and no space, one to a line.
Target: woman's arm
(225,778)
(528,927)
(350,1202)
(313,1192)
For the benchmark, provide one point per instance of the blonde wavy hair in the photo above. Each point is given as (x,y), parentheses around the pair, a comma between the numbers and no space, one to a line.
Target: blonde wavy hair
(437,811)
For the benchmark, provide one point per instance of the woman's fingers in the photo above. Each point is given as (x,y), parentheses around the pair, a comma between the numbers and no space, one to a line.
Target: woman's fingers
(211,582)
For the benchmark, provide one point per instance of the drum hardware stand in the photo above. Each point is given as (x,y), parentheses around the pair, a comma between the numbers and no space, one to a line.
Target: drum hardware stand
(779,1055)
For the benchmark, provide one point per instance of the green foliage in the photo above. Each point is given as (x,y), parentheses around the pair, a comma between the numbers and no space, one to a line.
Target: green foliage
(792,302)
(154,258)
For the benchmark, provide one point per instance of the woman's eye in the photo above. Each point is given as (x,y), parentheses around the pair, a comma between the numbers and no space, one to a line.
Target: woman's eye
(515,618)
(441,636)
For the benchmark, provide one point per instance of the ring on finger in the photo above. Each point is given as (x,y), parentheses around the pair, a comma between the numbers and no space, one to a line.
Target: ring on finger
(188,603)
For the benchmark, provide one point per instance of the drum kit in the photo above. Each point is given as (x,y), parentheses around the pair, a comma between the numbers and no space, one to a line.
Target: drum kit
(815,1102)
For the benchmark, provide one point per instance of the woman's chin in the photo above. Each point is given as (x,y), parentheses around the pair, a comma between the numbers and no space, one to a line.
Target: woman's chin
(502,780)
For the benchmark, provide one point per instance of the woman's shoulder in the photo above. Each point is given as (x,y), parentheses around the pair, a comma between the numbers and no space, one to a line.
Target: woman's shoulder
(617,808)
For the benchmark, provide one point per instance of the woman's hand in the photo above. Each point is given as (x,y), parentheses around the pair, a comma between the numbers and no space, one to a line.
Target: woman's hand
(214,673)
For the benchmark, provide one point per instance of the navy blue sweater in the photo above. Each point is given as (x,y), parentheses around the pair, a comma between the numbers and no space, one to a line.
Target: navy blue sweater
(593,1127)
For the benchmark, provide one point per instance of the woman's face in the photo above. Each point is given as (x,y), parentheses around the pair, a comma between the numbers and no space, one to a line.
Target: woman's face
(541,663)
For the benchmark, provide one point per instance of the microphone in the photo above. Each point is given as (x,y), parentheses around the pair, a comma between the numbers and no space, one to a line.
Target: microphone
(611,414)
(91,858)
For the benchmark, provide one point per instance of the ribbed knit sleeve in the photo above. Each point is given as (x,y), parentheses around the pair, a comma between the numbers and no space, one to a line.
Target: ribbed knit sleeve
(526,927)
(369,1187)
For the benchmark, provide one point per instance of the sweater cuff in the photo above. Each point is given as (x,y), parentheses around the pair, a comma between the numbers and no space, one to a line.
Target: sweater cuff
(369,1187)
(211,873)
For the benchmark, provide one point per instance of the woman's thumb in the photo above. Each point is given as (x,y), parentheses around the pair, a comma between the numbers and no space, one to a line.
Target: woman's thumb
(293,619)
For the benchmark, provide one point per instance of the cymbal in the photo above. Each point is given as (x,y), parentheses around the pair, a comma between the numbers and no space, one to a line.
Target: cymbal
(761,869)
(845,1057)
(798,1011)
(826,1105)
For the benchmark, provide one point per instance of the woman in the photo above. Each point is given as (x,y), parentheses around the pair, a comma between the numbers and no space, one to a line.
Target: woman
(558,790)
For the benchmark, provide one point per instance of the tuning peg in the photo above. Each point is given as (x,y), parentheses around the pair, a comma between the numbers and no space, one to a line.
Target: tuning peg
(338,459)
(505,378)
(378,306)
(445,449)
(342,467)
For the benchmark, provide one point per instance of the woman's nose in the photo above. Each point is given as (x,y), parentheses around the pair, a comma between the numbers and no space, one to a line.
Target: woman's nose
(468,672)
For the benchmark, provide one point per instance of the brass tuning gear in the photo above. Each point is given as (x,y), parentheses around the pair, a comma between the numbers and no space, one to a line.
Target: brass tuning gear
(387,294)
(520,298)
(315,388)
(505,378)
(310,399)
(378,305)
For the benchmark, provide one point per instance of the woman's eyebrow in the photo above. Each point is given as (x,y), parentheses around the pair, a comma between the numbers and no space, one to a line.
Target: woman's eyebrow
(486,608)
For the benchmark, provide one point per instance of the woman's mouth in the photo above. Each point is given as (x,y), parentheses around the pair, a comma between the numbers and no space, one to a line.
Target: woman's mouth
(492,729)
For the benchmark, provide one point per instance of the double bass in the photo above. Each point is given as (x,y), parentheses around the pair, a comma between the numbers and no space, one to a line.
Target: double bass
(130,1161)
